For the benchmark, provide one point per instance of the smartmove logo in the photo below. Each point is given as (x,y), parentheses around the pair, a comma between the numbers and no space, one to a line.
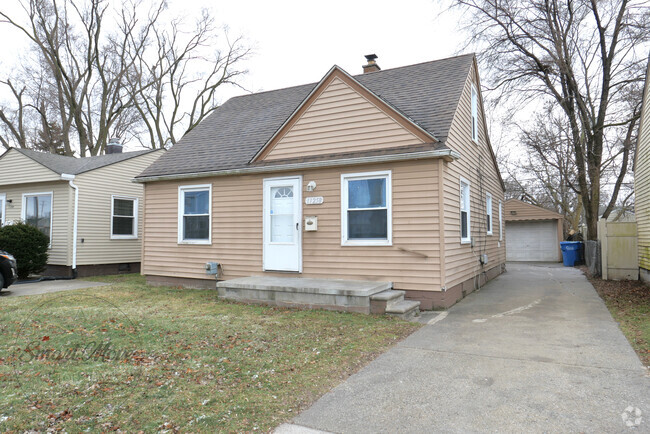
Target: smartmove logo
(90,328)
(100,351)
(73,358)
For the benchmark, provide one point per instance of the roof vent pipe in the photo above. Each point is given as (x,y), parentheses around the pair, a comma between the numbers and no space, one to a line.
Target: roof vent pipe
(372,64)
(114,146)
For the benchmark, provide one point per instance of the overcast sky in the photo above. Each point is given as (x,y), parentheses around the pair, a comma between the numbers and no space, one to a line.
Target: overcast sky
(297,42)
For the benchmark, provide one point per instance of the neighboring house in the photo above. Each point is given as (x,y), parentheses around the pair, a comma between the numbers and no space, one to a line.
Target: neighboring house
(642,183)
(384,176)
(92,197)
(534,233)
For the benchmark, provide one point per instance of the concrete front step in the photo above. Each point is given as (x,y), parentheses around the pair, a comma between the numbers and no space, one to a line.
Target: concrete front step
(404,309)
(331,294)
(381,301)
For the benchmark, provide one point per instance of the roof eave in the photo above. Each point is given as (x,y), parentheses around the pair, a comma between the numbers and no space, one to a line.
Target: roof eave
(446,154)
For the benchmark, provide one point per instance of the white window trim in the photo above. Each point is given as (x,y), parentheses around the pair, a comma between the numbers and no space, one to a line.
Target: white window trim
(468,239)
(181,203)
(474,114)
(135,218)
(500,221)
(23,211)
(344,208)
(488,206)
(3,209)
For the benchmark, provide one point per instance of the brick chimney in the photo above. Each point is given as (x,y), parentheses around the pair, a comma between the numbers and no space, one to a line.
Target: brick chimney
(372,64)
(114,146)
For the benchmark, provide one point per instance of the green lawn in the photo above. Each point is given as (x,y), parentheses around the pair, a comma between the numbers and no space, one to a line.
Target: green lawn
(134,357)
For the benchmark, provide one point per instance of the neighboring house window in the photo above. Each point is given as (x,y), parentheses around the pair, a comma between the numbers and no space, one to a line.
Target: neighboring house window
(124,217)
(37,211)
(465,232)
(488,213)
(3,206)
(500,221)
(195,214)
(366,209)
(474,114)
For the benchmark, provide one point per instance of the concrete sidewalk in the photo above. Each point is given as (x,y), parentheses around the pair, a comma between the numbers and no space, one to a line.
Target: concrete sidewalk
(535,350)
(47,286)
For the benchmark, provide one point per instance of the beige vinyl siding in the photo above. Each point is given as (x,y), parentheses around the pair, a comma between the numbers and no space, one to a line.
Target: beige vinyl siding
(642,180)
(461,261)
(341,120)
(237,229)
(61,215)
(15,168)
(96,189)
(526,211)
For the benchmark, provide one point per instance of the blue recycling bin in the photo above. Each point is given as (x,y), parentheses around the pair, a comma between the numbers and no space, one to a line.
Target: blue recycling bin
(571,252)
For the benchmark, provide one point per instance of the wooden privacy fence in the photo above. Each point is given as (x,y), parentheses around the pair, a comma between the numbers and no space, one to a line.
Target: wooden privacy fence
(618,249)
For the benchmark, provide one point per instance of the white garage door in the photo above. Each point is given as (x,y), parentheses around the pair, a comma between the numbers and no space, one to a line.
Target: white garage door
(532,241)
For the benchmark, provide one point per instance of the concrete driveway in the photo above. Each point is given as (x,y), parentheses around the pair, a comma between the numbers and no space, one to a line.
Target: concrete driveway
(534,351)
(46,287)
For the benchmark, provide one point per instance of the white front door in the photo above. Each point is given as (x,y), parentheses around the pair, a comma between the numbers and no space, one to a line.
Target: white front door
(282,224)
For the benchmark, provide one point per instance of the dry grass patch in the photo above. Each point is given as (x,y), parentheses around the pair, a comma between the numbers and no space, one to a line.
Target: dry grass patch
(133,357)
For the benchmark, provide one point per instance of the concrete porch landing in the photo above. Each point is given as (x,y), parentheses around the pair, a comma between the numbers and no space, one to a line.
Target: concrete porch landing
(330,294)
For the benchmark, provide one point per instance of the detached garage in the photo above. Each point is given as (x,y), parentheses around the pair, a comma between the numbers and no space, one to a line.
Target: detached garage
(534,233)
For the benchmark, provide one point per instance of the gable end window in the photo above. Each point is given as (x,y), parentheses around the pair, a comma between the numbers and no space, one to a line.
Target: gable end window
(366,218)
(474,114)
(124,217)
(488,213)
(195,214)
(465,231)
(37,211)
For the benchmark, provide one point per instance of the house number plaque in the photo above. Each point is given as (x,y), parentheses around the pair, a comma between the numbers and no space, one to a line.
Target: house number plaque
(316,200)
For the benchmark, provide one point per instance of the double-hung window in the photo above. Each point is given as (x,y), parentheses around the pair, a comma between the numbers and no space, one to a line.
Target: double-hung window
(474,114)
(500,221)
(37,211)
(195,214)
(366,209)
(124,217)
(465,231)
(3,202)
(488,213)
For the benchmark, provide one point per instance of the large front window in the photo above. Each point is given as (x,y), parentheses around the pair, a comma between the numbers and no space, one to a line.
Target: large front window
(366,208)
(194,214)
(37,211)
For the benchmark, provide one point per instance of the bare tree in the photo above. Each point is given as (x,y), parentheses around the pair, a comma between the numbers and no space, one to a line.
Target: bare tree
(85,73)
(178,76)
(587,58)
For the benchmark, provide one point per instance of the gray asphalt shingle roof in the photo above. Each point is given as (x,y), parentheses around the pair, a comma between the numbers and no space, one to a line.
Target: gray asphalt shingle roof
(74,166)
(426,93)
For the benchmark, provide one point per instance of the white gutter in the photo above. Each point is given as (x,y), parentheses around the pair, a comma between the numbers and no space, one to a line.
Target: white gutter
(70,179)
(448,153)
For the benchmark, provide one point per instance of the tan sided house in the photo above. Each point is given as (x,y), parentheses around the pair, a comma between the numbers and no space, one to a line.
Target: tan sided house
(642,183)
(387,176)
(88,207)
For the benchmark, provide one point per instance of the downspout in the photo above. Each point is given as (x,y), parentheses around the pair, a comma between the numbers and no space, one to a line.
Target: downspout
(70,179)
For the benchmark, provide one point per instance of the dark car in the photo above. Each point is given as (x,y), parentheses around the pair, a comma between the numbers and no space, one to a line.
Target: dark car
(8,269)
